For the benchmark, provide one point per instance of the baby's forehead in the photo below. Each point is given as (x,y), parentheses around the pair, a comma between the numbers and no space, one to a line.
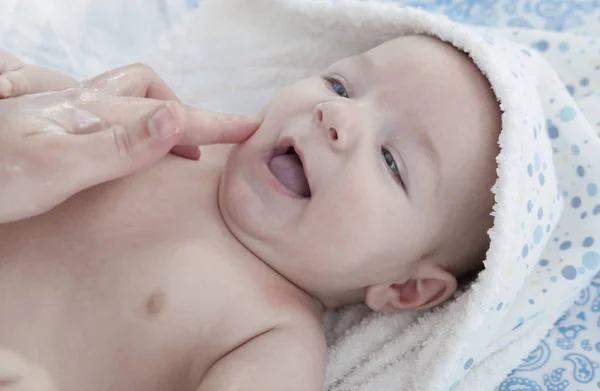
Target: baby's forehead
(419,65)
(417,45)
(421,80)
(400,74)
(424,83)
(419,54)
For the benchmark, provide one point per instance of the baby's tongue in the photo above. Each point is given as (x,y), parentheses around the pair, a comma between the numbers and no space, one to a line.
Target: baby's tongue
(288,170)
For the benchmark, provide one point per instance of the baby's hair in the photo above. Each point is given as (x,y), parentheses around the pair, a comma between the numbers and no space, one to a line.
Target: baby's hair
(469,247)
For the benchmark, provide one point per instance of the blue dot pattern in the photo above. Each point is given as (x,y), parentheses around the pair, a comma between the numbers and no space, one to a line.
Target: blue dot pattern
(570,354)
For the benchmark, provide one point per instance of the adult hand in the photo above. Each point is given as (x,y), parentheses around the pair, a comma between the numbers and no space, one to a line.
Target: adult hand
(55,144)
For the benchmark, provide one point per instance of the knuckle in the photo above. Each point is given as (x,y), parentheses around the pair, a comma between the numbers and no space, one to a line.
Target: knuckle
(80,96)
(141,67)
(48,106)
(8,61)
(122,140)
(19,81)
(144,69)
(80,121)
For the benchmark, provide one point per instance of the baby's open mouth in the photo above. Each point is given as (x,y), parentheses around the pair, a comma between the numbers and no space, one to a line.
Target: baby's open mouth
(287,167)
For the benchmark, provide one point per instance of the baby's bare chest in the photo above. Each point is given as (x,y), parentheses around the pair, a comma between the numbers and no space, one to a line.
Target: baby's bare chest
(118,290)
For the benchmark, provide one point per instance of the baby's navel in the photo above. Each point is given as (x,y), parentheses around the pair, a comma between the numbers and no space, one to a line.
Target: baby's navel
(155,303)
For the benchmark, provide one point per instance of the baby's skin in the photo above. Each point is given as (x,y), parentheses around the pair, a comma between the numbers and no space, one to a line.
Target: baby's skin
(367,183)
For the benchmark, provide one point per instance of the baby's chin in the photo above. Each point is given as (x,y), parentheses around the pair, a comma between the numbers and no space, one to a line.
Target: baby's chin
(234,213)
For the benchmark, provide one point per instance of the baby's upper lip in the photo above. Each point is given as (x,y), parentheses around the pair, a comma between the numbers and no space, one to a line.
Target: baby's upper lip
(300,155)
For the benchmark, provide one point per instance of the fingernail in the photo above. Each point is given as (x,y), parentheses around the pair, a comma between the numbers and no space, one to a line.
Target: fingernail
(163,123)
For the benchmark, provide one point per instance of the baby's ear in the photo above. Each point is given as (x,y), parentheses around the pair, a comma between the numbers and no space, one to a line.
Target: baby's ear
(432,286)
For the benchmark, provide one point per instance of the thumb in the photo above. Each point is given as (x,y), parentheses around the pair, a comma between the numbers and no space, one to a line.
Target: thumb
(121,150)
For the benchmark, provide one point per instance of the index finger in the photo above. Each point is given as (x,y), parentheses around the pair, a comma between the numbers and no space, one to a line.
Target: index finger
(198,127)
(202,127)
(135,80)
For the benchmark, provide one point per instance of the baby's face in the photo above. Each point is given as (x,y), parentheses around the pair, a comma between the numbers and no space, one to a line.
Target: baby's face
(360,175)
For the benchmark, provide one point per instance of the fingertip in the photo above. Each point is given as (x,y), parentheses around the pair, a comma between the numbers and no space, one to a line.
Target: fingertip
(237,128)
(204,127)
(242,131)
(251,119)
(246,122)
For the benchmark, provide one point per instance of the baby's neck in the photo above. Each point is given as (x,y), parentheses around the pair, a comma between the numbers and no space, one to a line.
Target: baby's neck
(316,304)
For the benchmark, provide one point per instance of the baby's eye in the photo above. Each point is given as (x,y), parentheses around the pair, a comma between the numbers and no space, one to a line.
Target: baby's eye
(388,157)
(338,87)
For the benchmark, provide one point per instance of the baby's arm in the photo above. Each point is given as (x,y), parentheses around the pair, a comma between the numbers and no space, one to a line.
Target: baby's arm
(288,358)
(18,79)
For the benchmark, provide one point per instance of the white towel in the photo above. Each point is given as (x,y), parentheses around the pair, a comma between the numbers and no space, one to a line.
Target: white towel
(232,55)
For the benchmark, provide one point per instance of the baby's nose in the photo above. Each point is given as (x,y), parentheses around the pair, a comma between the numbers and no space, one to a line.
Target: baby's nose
(336,123)
(319,119)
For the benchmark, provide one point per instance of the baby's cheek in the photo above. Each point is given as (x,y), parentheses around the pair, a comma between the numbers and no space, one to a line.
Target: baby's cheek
(354,217)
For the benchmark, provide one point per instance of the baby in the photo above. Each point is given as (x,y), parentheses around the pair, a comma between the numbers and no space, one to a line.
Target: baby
(368,183)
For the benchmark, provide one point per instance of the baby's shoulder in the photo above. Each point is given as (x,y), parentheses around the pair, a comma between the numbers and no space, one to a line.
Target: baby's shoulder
(286,304)
(291,342)
(262,321)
